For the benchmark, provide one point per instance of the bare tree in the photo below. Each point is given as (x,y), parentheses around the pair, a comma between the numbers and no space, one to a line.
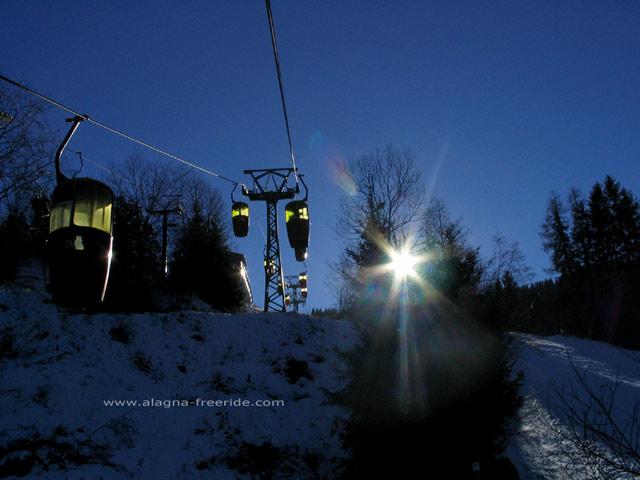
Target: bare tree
(26,150)
(438,228)
(342,279)
(152,185)
(147,184)
(384,209)
(505,258)
(389,186)
(198,193)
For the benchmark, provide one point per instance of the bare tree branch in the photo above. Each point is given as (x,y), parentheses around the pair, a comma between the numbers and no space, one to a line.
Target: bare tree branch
(389,184)
(605,445)
(26,150)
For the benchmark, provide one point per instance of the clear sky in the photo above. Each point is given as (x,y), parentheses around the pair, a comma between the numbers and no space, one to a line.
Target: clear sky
(500,102)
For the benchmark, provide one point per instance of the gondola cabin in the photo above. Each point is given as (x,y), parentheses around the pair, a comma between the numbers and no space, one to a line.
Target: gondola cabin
(302,280)
(240,219)
(80,241)
(297,220)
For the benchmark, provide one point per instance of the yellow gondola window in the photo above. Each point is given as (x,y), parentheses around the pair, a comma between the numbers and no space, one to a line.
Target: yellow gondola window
(93,209)
(301,212)
(60,216)
(243,211)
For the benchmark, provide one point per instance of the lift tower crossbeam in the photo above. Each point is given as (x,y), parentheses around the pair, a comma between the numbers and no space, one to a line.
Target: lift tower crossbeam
(271,185)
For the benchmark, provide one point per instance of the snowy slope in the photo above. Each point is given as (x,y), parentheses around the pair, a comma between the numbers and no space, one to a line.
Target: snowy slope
(552,365)
(57,370)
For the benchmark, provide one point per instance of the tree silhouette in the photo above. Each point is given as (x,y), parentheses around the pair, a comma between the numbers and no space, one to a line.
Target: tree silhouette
(202,263)
(427,369)
(135,277)
(597,254)
(27,144)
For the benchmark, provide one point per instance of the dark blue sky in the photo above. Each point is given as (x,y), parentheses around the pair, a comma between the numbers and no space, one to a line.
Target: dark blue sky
(500,102)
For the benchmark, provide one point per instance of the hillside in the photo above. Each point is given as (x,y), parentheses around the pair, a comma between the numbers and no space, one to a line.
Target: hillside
(110,396)
(58,369)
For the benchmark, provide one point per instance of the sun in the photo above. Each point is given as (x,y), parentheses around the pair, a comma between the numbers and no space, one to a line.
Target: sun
(402,264)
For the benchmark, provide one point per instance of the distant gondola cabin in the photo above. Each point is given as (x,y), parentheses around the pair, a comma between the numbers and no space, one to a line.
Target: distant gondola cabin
(297,220)
(240,219)
(270,267)
(80,241)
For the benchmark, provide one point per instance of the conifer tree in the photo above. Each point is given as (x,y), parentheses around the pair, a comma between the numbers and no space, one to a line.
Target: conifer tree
(453,265)
(136,268)
(597,254)
(555,233)
(202,263)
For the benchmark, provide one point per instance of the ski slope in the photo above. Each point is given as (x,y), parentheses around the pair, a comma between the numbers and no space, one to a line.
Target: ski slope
(552,367)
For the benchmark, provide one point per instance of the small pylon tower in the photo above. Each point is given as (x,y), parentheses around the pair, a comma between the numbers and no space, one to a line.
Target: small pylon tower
(165,211)
(296,286)
(271,185)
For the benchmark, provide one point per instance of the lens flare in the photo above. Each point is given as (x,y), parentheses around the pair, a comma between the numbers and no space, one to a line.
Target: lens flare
(433,347)
(332,162)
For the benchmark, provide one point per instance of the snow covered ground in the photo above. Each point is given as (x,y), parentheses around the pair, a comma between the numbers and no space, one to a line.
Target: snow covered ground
(552,367)
(58,368)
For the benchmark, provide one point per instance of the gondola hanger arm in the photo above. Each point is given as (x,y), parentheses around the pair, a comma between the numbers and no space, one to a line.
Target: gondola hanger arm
(60,177)
(306,189)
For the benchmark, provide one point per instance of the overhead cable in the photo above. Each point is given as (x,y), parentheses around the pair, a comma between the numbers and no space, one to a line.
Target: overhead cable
(115,131)
(276,58)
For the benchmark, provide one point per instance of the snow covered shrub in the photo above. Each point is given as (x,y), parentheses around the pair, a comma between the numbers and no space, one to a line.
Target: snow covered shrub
(60,450)
(8,349)
(265,460)
(121,332)
(144,364)
(294,370)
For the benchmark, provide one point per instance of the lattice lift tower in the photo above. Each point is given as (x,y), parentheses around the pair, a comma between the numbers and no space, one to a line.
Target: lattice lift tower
(271,185)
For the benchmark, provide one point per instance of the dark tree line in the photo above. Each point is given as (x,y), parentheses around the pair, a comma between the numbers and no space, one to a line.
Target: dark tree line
(26,170)
(27,144)
(594,245)
(199,261)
